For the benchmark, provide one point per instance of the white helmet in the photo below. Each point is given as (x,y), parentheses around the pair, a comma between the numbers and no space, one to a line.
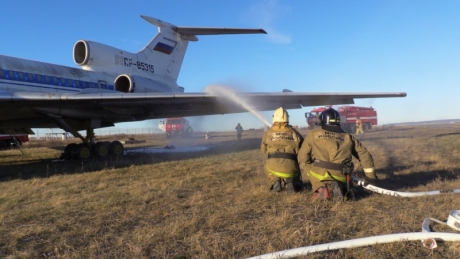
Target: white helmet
(280,115)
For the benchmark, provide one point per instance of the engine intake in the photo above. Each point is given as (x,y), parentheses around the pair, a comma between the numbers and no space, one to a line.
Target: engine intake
(136,84)
(90,53)
(124,83)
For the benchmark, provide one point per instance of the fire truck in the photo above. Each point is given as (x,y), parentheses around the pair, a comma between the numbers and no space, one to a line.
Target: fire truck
(348,116)
(176,127)
(12,141)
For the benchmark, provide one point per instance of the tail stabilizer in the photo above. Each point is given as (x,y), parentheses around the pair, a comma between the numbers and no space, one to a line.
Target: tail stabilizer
(168,47)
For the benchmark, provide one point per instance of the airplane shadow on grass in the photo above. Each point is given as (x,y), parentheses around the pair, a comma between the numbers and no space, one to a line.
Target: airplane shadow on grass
(43,168)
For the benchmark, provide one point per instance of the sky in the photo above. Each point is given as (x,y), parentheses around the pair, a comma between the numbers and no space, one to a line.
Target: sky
(311,46)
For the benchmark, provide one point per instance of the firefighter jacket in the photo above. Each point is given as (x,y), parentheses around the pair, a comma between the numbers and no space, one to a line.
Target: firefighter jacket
(331,144)
(281,144)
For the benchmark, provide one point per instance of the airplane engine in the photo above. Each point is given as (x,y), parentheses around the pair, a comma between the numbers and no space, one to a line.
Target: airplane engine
(136,84)
(90,53)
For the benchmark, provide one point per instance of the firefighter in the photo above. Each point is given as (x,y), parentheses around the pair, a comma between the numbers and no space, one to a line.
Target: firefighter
(189,131)
(281,143)
(326,158)
(239,131)
(359,126)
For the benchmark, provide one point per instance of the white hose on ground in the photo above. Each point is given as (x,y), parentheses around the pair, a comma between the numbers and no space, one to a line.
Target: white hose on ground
(428,239)
(366,241)
(453,221)
(376,189)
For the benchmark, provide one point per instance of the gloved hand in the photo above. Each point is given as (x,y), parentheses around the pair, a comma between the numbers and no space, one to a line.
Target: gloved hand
(370,180)
(369,176)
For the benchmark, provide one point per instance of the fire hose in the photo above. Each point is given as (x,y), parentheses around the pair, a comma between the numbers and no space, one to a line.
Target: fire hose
(428,239)
(376,189)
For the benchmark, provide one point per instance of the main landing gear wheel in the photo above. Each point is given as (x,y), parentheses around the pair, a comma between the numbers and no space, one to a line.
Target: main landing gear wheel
(116,149)
(101,150)
(82,151)
(69,151)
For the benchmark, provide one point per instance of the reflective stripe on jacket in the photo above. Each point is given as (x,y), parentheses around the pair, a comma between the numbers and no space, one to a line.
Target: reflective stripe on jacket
(328,176)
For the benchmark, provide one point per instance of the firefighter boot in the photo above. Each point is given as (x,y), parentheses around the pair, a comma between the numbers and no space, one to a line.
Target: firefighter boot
(290,186)
(276,187)
(321,194)
(298,184)
(335,190)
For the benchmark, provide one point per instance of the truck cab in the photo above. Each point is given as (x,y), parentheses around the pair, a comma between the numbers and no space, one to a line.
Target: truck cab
(177,127)
(348,116)
(313,117)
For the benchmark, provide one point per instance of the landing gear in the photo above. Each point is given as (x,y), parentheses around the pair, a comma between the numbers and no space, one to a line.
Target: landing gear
(90,148)
(82,151)
(100,150)
(69,151)
(116,149)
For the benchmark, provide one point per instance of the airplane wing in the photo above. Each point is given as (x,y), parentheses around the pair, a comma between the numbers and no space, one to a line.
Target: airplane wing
(24,110)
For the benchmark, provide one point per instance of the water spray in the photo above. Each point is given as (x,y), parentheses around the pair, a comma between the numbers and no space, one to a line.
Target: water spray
(427,238)
(233,96)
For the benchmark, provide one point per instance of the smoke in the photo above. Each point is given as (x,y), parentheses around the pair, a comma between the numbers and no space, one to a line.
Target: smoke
(230,94)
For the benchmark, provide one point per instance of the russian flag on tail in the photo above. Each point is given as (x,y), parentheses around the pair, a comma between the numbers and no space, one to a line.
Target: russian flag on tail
(164,48)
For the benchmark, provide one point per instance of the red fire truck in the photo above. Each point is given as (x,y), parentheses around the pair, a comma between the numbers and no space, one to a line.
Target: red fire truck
(348,116)
(175,127)
(12,141)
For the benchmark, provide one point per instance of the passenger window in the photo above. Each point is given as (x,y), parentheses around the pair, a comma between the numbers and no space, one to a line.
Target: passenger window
(30,77)
(2,73)
(39,78)
(55,81)
(10,75)
(47,79)
(103,84)
(77,84)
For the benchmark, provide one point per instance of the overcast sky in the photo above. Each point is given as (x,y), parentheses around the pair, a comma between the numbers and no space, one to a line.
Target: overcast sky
(311,46)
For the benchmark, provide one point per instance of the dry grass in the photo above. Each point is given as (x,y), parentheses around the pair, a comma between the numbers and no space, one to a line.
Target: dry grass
(216,203)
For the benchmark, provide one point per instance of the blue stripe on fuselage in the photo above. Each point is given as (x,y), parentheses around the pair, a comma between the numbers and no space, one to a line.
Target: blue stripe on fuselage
(47,82)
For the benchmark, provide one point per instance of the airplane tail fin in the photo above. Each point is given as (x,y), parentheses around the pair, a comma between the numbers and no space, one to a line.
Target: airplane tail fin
(168,47)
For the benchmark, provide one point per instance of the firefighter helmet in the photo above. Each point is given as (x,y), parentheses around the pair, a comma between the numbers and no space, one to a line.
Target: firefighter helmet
(280,115)
(329,117)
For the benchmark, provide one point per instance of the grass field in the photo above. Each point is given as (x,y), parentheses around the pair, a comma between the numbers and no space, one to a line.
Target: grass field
(216,203)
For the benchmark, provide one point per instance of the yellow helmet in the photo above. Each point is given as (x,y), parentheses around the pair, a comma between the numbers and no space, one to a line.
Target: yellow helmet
(280,115)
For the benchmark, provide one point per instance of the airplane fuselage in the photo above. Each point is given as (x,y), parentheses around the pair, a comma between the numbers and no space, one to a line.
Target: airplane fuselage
(18,75)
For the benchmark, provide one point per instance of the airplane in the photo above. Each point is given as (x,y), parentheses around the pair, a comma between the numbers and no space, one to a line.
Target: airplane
(113,86)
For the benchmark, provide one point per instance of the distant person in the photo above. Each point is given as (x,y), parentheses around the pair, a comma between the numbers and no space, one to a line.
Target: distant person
(359,126)
(189,131)
(239,131)
(326,158)
(281,143)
